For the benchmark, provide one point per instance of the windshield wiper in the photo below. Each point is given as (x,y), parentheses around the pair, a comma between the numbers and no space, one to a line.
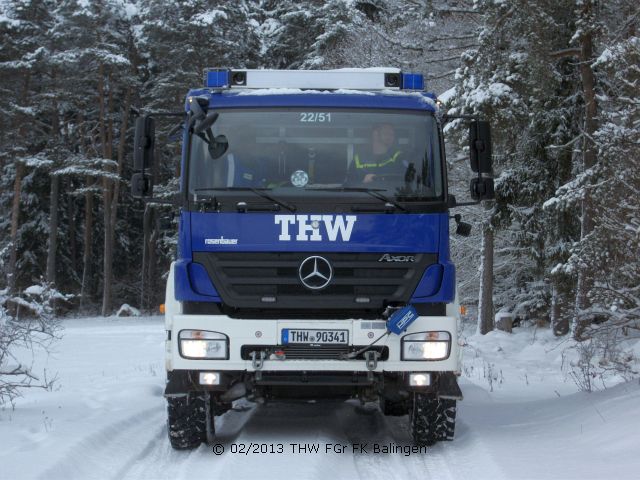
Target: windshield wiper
(374,192)
(257,191)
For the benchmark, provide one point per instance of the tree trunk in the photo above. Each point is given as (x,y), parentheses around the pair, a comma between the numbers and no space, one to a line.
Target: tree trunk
(589,149)
(112,193)
(17,190)
(153,291)
(486,322)
(106,138)
(53,230)
(108,251)
(559,315)
(15,220)
(85,288)
(146,229)
(73,244)
(113,202)
(88,244)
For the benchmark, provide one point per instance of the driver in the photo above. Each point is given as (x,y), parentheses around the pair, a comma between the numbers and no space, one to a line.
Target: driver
(382,158)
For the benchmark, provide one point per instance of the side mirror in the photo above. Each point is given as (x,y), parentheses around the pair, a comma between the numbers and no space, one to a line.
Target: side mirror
(205,124)
(480,146)
(144,143)
(482,189)
(143,157)
(218,147)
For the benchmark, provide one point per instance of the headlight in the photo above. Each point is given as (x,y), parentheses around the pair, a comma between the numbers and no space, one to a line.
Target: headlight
(426,346)
(204,345)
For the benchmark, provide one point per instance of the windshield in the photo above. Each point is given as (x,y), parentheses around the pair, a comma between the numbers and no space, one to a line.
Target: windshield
(294,151)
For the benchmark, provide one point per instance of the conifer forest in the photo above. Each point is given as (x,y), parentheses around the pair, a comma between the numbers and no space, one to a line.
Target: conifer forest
(558,250)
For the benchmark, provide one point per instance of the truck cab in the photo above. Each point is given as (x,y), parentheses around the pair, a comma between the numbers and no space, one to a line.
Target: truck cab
(313,258)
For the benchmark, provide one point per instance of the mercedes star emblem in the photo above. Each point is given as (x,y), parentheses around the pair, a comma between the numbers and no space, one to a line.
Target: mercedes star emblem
(315,272)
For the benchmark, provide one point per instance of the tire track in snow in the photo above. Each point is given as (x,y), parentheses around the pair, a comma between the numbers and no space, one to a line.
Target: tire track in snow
(136,446)
(469,455)
(103,453)
(154,446)
(160,461)
(385,465)
(202,462)
(286,424)
(435,461)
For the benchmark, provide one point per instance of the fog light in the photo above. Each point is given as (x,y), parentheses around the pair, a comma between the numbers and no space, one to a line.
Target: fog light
(418,379)
(209,378)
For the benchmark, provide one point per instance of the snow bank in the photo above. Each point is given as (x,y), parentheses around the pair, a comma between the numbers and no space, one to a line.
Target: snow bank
(127,310)
(35,290)
(106,419)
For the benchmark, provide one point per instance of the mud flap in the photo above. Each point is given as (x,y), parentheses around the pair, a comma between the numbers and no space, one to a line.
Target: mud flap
(178,384)
(448,388)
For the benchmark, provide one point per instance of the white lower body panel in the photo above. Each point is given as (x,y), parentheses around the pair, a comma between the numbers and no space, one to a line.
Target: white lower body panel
(268,332)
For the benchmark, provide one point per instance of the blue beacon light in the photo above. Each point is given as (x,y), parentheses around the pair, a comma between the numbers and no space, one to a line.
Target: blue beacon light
(412,81)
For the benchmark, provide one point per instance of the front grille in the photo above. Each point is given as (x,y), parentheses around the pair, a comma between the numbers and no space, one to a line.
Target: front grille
(270,280)
(308,352)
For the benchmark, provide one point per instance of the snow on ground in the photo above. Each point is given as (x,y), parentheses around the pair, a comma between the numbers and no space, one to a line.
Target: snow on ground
(521,418)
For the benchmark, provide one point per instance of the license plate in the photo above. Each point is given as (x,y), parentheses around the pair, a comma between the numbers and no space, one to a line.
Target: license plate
(319,337)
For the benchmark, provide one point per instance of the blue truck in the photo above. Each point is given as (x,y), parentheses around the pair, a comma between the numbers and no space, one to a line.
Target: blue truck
(313,256)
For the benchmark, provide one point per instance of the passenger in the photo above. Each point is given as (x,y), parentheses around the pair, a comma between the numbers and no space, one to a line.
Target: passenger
(383,157)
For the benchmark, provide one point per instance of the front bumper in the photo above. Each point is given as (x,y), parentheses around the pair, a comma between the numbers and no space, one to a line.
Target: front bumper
(268,333)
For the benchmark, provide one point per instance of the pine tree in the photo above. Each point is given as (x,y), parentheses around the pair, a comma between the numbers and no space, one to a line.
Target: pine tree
(508,80)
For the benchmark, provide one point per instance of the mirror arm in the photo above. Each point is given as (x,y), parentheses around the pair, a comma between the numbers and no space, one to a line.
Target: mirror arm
(204,138)
(166,114)
(447,118)
(466,204)
(160,201)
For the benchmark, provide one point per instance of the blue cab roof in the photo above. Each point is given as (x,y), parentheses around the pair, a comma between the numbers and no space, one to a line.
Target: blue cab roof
(273,98)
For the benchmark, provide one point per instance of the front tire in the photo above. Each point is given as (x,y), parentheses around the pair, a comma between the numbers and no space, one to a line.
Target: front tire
(432,419)
(187,421)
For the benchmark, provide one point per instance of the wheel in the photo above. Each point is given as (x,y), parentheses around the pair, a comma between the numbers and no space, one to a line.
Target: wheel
(432,419)
(448,408)
(187,421)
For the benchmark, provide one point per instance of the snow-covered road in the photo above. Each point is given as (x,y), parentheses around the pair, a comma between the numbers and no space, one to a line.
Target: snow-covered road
(106,419)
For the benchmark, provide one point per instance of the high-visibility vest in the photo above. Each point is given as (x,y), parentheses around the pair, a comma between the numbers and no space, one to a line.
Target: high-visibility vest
(392,159)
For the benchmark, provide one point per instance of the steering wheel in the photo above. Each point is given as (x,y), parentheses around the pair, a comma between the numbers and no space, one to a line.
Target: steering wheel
(395,178)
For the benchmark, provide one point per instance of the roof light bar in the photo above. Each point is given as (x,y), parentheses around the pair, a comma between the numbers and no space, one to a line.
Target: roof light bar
(350,79)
